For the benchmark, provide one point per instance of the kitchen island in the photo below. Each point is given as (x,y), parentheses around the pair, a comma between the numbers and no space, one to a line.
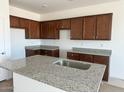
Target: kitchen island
(41,74)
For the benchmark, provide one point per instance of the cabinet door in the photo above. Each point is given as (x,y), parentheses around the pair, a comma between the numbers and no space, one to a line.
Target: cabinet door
(45,30)
(29,53)
(73,56)
(34,30)
(105,61)
(55,53)
(24,23)
(86,57)
(37,52)
(76,28)
(65,24)
(104,25)
(89,28)
(51,31)
(41,31)
(48,52)
(57,29)
(14,22)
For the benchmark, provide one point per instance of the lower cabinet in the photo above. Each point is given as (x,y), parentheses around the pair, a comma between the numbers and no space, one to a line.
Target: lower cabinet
(32,52)
(105,61)
(53,53)
(73,56)
(86,57)
(92,58)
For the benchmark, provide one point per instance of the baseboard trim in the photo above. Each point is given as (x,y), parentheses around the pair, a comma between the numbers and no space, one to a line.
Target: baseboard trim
(116,82)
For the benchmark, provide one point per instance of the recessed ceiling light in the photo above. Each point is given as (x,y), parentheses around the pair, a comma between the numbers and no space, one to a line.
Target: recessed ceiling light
(70,0)
(44,5)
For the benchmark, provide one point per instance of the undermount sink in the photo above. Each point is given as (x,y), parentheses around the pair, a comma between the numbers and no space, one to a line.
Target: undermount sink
(72,64)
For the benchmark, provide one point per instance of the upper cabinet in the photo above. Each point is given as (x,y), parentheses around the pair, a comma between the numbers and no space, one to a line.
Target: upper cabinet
(96,27)
(44,30)
(104,25)
(57,29)
(89,28)
(32,28)
(50,29)
(14,22)
(24,23)
(65,24)
(76,28)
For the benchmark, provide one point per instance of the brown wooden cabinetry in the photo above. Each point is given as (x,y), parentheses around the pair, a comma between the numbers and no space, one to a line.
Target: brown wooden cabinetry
(57,28)
(73,56)
(32,52)
(89,26)
(76,28)
(104,25)
(65,24)
(44,30)
(86,57)
(34,29)
(96,27)
(24,23)
(53,53)
(93,59)
(50,30)
(14,22)
(105,61)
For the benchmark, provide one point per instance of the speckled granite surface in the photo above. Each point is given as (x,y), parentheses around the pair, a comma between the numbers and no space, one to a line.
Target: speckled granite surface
(101,52)
(42,69)
(44,47)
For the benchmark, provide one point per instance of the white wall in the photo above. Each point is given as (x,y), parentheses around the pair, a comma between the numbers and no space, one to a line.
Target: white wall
(24,13)
(116,44)
(4,14)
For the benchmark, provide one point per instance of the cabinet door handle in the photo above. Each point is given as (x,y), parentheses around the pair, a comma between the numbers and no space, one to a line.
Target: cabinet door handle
(72,54)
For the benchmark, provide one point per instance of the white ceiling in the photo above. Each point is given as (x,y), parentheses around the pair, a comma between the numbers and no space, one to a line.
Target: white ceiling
(46,6)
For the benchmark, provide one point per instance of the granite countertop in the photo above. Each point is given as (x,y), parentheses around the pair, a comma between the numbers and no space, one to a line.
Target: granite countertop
(44,47)
(101,52)
(42,69)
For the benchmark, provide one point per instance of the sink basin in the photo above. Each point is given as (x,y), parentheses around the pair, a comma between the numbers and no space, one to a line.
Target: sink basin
(72,64)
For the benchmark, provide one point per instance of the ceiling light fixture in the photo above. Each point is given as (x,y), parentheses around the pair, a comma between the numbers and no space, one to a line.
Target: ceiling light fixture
(44,5)
(71,0)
